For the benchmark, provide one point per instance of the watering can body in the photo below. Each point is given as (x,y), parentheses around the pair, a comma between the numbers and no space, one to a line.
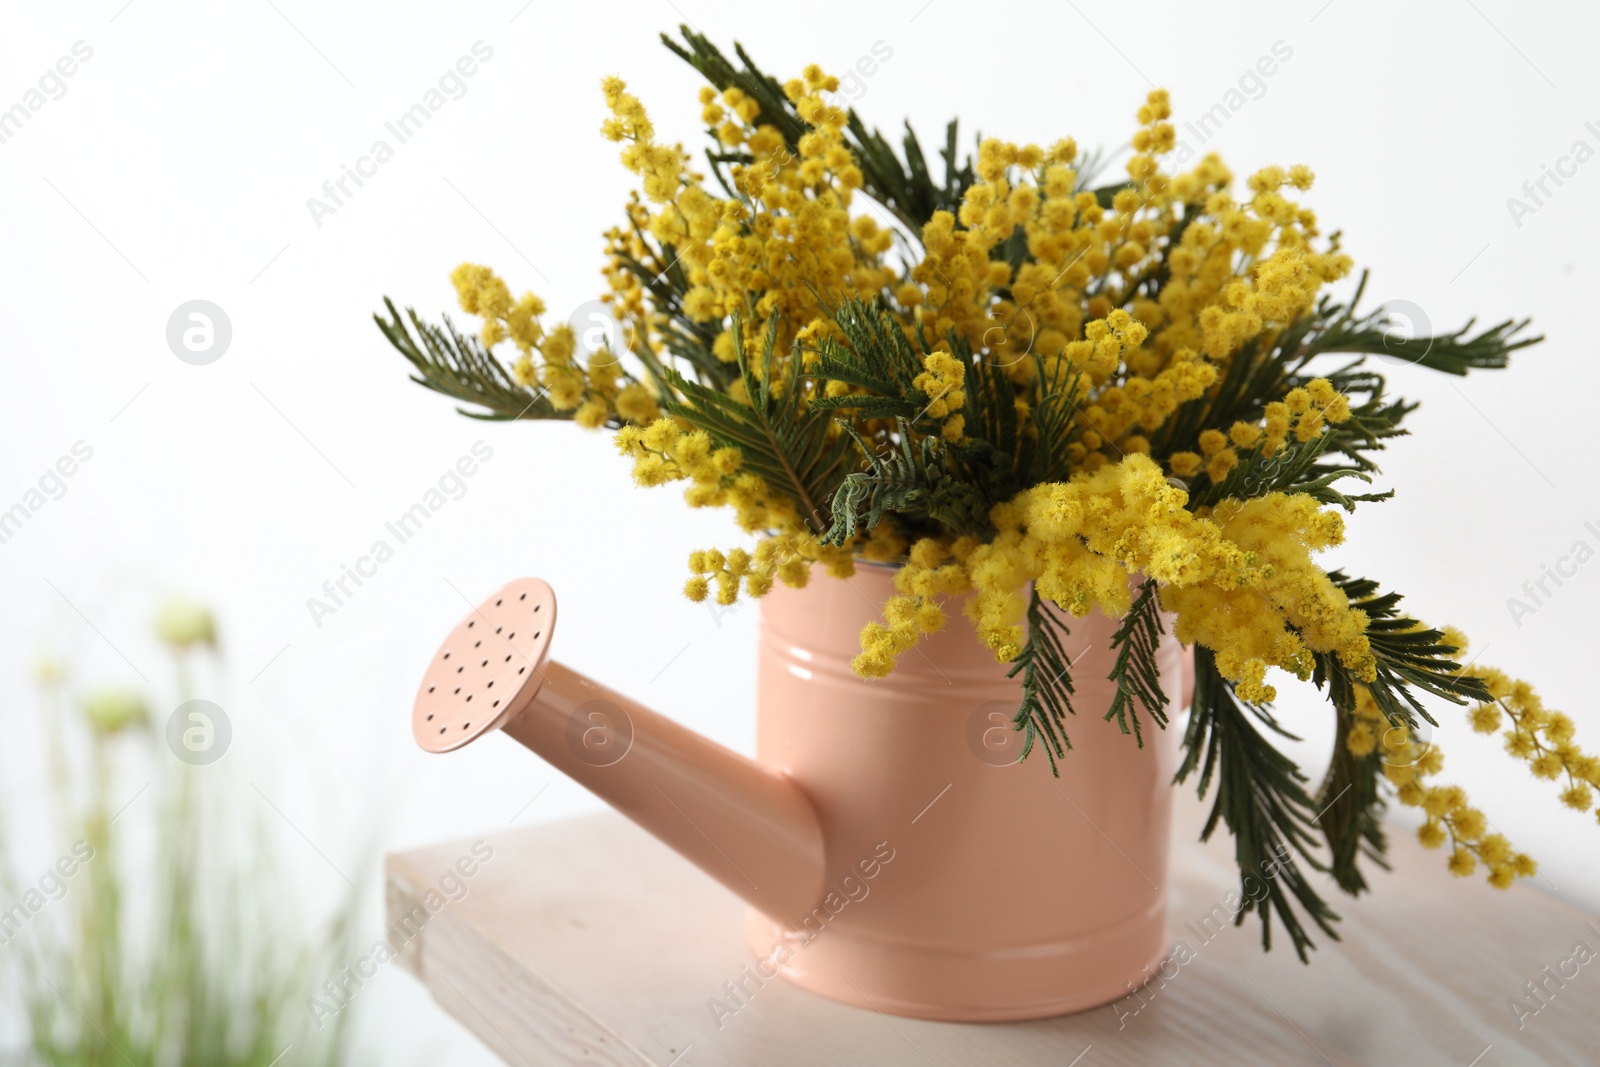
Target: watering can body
(895,853)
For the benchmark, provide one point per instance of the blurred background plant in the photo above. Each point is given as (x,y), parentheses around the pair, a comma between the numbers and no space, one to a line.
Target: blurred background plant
(168,932)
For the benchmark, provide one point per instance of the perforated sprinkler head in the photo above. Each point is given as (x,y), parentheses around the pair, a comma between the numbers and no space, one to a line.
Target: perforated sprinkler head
(489,668)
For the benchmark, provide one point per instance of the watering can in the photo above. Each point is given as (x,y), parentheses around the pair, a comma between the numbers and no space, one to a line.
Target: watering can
(894,852)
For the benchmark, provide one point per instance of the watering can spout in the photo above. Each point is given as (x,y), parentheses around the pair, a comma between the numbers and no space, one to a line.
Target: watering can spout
(747,825)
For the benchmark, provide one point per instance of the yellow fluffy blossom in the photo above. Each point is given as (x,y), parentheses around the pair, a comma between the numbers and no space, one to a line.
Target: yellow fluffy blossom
(593,390)
(1447,817)
(1245,587)
(1543,738)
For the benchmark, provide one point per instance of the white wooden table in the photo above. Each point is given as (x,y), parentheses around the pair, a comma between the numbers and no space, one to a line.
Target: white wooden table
(588,942)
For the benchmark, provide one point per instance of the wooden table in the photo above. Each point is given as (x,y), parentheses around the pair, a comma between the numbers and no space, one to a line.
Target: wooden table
(586,941)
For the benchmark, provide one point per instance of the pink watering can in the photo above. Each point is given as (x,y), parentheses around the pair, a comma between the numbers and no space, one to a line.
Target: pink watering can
(895,853)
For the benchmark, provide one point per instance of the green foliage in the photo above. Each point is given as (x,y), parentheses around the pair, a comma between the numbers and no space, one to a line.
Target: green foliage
(1046,682)
(1255,377)
(1410,657)
(1136,673)
(1293,468)
(875,355)
(1054,415)
(458,366)
(1352,803)
(784,441)
(686,340)
(906,187)
(1261,797)
(1373,421)
(991,410)
(1456,353)
(915,481)
(911,472)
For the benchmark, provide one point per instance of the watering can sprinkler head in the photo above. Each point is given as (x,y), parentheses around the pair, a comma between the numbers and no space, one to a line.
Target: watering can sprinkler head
(489,668)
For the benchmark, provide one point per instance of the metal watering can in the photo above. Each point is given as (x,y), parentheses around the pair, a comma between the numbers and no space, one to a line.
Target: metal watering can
(895,853)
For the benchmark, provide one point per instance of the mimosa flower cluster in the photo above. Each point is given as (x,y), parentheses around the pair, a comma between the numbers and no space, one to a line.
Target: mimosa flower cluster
(1041,395)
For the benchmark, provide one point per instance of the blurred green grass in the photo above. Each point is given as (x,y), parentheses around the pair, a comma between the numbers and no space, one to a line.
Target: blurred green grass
(180,937)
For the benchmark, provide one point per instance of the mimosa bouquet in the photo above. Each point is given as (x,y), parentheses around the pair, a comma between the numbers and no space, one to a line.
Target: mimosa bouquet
(1041,395)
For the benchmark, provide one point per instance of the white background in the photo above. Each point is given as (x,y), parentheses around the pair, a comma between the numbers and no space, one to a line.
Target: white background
(178,165)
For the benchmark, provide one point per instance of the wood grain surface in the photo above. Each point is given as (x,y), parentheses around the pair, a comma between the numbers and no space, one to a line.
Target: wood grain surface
(586,941)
